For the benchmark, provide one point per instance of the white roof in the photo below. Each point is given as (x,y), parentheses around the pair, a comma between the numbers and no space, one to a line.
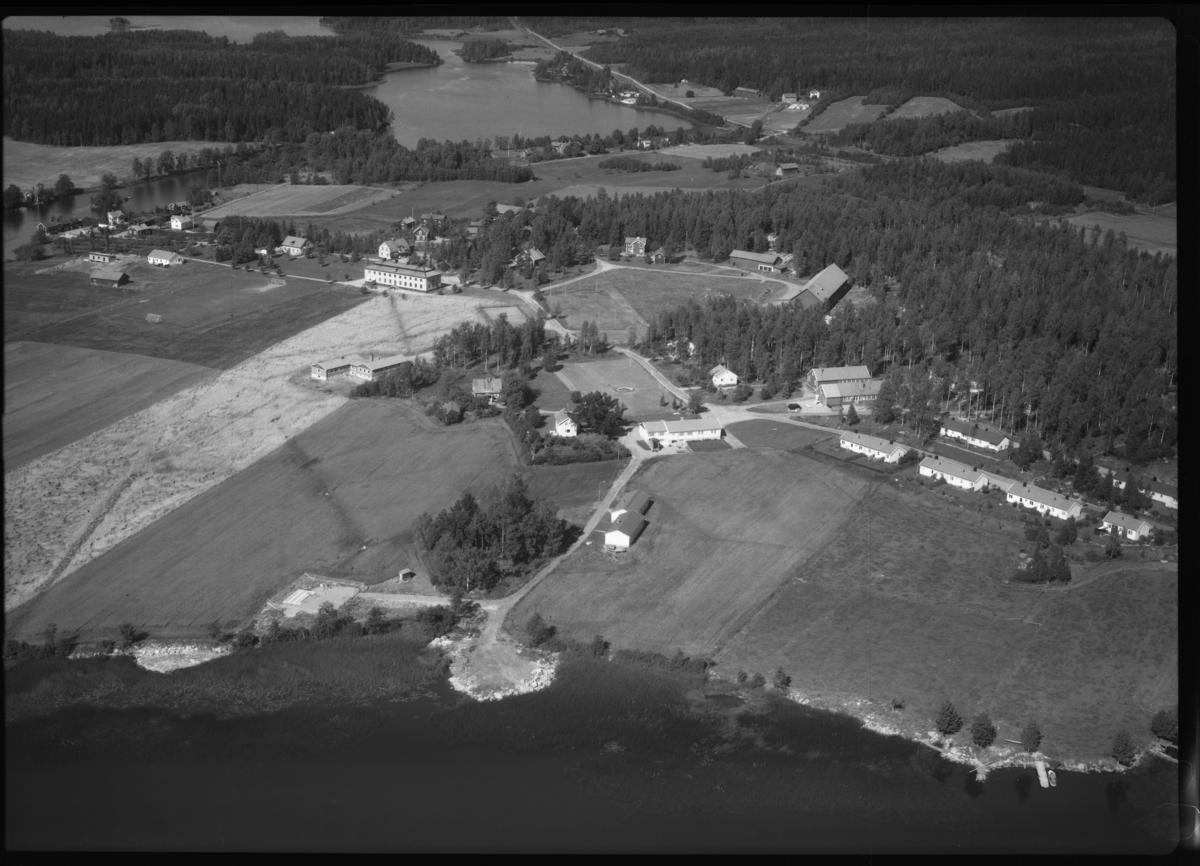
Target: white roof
(161,254)
(719,370)
(873,442)
(344,361)
(491,384)
(765,258)
(381,363)
(1126,521)
(1043,497)
(836,374)
(851,389)
(291,241)
(561,416)
(689,426)
(408,270)
(951,467)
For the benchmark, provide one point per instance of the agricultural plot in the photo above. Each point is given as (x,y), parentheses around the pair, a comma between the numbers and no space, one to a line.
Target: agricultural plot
(302,200)
(27,164)
(724,531)
(1144,231)
(424,318)
(881,613)
(339,499)
(70,506)
(650,291)
(575,489)
(704,151)
(211,316)
(37,296)
(925,106)
(984,151)
(515,315)
(843,113)
(778,434)
(622,378)
(589,301)
(54,395)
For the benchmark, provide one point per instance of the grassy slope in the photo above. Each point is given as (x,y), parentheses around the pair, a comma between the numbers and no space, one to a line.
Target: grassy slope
(27,164)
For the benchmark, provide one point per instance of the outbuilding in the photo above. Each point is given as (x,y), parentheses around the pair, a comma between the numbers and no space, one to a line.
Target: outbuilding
(825,289)
(787,169)
(631,500)
(109,277)
(771,263)
(101,257)
(624,531)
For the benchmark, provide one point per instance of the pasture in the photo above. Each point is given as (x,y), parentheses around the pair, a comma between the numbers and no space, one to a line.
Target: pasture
(302,200)
(587,300)
(622,378)
(843,113)
(925,106)
(704,151)
(654,289)
(576,488)
(40,294)
(554,395)
(340,499)
(984,151)
(778,434)
(725,529)
(211,315)
(54,395)
(908,600)
(27,164)
(1143,231)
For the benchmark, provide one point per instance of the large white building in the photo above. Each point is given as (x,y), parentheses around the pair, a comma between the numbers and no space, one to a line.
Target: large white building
(873,447)
(973,434)
(411,277)
(325,370)
(372,369)
(669,432)
(1045,501)
(1132,528)
(819,376)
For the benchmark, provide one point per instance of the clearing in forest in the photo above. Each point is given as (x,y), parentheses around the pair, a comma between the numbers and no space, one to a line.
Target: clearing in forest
(843,113)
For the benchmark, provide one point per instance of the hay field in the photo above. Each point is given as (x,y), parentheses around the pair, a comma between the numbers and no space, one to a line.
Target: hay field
(586,300)
(37,295)
(981,150)
(925,106)
(840,114)
(575,489)
(211,315)
(554,394)
(424,318)
(1144,231)
(704,151)
(651,290)
(608,376)
(27,164)
(339,499)
(54,395)
(907,600)
(302,200)
(725,530)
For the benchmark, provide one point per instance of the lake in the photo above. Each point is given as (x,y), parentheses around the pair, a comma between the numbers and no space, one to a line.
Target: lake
(456,101)
(582,766)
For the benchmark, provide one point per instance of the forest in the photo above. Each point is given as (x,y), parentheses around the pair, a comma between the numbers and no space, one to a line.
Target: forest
(411,25)
(481,48)
(1102,89)
(913,136)
(164,85)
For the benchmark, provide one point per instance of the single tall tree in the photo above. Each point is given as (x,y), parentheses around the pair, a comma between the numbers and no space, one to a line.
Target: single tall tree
(983,732)
(1123,749)
(1031,737)
(948,720)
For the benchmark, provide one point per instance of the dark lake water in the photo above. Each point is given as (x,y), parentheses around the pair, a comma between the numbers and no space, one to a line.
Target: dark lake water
(440,773)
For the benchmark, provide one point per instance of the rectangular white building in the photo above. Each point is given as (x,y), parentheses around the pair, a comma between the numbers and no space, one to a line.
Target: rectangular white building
(669,432)
(373,369)
(410,277)
(624,530)
(1044,501)
(325,370)
(722,376)
(873,447)
(1127,526)
(564,425)
(953,473)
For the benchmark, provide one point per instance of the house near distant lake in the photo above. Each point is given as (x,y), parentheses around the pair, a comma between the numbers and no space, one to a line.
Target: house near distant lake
(635,246)
(825,289)
(1127,526)
(873,447)
(295,246)
(771,263)
(181,223)
(723,377)
(564,425)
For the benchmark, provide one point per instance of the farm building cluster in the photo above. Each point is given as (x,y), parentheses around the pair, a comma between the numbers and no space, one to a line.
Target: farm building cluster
(357,367)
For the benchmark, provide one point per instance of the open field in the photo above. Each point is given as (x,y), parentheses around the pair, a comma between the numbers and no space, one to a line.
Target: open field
(554,394)
(1003,112)
(840,114)
(302,200)
(704,151)
(980,150)
(576,488)
(66,508)
(27,164)
(35,297)
(651,290)
(338,499)
(880,613)
(778,434)
(1149,232)
(212,316)
(704,564)
(680,91)
(54,395)
(609,376)
(924,106)
(587,300)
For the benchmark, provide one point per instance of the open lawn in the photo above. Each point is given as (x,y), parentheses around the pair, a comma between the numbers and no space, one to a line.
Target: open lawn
(27,164)
(651,290)
(35,296)
(908,601)
(924,106)
(778,434)
(724,531)
(593,301)
(340,499)
(54,395)
(212,316)
(1144,231)
(576,488)
(302,200)
(622,378)
(840,114)
(984,151)
(554,394)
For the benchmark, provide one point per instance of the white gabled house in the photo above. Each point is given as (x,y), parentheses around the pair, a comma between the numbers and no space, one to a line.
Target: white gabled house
(564,425)
(722,376)
(1044,501)
(953,473)
(631,500)
(393,249)
(1160,491)
(489,388)
(624,531)
(669,432)
(162,258)
(181,223)
(295,246)
(819,376)
(1132,528)
(973,434)
(873,447)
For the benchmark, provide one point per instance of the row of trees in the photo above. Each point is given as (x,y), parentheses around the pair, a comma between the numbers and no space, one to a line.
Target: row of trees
(473,545)
(162,85)
(629,163)
(14,197)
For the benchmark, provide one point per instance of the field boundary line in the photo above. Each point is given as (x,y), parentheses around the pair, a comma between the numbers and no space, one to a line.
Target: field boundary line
(63,567)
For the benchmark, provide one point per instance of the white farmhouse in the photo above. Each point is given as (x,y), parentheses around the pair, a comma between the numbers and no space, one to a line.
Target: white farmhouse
(564,425)
(181,223)
(722,376)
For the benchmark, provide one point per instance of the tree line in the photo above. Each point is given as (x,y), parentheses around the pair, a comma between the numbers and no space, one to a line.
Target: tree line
(163,85)
(412,24)
(480,48)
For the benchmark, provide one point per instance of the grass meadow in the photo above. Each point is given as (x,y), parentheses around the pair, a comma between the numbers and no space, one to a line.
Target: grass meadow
(778,434)
(924,106)
(843,113)
(1150,232)
(340,499)
(36,297)
(302,200)
(613,375)
(704,564)
(88,391)
(985,151)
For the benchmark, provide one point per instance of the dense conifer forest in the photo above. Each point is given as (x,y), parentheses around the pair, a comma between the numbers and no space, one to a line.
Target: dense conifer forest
(153,85)
(1103,90)
(411,25)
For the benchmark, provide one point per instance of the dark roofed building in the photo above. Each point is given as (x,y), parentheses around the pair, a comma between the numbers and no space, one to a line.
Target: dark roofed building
(825,289)
(109,277)
(769,262)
